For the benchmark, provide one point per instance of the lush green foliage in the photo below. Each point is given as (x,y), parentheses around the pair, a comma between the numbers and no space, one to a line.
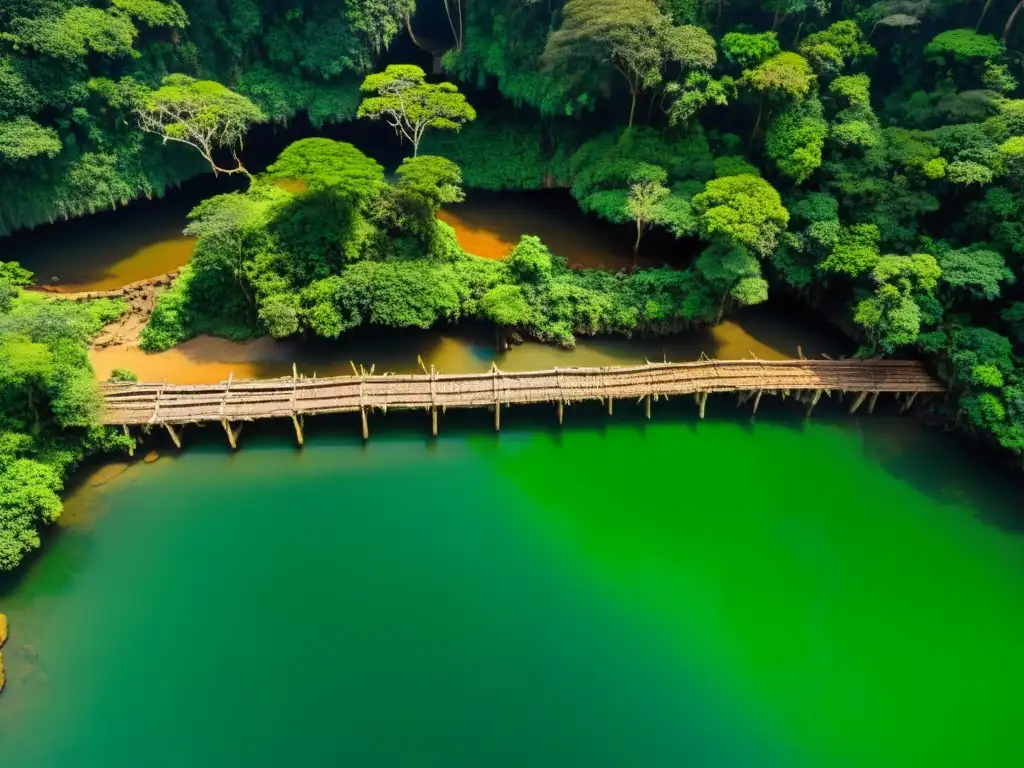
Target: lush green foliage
(880,171)
(201,114)
(410,105)
(49,405)
(348,249)
(72,72)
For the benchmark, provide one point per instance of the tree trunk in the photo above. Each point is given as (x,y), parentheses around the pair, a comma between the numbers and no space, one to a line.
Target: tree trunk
(982,17)
(412,35)
(1009,21)
(636,245)
(632,107)
(721,308)
(757,124)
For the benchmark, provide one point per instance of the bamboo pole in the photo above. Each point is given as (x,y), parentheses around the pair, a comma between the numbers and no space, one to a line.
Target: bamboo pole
(909,402)
(611,406)
(232,437)
(647,406)
(298,428)
(703,402)
(362,412)
(858,402)
(433,400)
(874,399)
(174,435)
(814,402)
(757,400)
(494,394)
(561,410)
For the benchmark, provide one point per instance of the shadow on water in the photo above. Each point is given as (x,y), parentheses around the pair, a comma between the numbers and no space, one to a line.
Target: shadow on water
(947,467)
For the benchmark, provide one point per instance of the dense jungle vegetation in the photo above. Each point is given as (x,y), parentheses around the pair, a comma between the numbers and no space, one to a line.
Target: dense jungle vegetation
(867,157)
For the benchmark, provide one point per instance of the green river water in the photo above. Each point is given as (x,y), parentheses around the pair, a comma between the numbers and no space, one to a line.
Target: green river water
(840,592)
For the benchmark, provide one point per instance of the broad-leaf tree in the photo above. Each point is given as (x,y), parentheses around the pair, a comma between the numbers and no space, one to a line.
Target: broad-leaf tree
(201,114)
(635,36)
(401,96)
(646,193)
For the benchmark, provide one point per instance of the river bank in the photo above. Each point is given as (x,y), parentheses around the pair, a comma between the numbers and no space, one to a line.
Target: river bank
(759,331)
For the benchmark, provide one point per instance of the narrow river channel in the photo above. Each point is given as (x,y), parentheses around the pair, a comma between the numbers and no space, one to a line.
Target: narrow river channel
(619,592)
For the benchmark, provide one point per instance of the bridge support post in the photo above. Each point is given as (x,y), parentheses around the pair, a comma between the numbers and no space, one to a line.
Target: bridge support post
(702,400)
(297,423)
(174,435)
(232,436)
(909,402)
(647,406)
(611,406)
(497,416)
(871,405)
(814,402)
(858,402)
(757,400)
(433,420)
(561,410)
(366,425)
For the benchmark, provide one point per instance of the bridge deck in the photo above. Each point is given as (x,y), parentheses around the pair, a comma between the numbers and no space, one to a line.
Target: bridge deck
(231,401)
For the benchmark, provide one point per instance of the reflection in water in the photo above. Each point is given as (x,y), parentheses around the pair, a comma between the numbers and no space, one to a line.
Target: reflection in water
(114,248)
(110,249)
(489,224)
(760,331)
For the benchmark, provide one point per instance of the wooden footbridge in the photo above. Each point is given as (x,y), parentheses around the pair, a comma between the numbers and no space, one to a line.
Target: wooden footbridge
(232,402)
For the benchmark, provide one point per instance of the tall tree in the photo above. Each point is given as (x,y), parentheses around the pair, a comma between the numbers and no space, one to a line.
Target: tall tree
(645,196)
(410,105)
(635,36)
(202,114)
